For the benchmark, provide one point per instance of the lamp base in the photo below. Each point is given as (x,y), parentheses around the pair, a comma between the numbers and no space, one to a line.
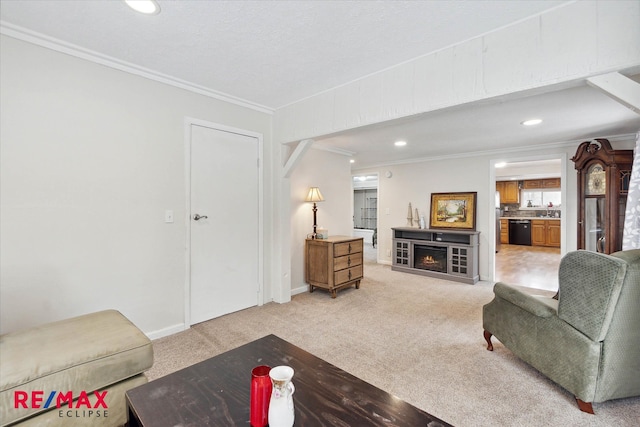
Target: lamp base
(315,222)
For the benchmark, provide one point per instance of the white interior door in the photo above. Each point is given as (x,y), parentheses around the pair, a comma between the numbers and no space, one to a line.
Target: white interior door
(224,219)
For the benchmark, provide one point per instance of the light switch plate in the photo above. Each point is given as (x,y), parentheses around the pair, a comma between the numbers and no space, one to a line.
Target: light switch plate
(168,216)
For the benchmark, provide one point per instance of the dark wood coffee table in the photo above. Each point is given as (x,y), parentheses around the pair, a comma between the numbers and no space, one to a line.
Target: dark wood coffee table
(216,393)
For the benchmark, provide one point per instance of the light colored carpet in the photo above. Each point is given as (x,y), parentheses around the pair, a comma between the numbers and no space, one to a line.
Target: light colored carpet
(418,338)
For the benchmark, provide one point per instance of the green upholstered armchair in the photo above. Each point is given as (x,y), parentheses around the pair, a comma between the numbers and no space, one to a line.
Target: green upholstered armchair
(588,339)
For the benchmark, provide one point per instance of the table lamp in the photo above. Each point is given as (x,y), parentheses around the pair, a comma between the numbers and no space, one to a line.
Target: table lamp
(314,196)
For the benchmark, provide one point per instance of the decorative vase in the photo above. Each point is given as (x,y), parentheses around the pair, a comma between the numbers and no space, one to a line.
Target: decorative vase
(409,217)
(260,396)
(281,411)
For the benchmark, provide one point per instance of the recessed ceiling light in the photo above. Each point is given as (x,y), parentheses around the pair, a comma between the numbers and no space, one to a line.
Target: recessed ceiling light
(531,122)
(400,143)
(500,164)
(148,7)
(352,161)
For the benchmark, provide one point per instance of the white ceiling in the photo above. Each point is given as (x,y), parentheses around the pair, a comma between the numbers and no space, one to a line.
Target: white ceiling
(272,53)
(573,114)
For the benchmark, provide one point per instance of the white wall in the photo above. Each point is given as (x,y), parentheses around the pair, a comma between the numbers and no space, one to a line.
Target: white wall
(91,157)
(415,182)
(330,172)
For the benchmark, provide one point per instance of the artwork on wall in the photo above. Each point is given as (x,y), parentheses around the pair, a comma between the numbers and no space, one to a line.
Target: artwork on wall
(453,211)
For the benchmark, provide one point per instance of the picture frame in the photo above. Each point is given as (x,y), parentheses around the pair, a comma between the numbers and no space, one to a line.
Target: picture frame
(453,211)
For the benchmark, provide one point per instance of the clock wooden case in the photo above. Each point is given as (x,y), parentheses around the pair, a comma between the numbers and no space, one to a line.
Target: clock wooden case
(603,185)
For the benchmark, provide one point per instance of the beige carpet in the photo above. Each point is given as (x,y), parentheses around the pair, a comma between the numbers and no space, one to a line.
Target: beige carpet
(416,337)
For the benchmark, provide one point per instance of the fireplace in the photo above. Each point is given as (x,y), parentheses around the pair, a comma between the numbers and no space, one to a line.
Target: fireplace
(451,255)
(432,258)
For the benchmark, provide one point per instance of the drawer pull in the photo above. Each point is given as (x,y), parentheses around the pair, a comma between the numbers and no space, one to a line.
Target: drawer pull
(349,274)
(349,247)
(349,262)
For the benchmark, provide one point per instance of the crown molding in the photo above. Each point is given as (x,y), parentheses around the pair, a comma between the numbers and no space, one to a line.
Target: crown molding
(45,41)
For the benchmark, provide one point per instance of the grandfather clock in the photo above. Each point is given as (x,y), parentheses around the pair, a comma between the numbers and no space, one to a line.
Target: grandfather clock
(603,185)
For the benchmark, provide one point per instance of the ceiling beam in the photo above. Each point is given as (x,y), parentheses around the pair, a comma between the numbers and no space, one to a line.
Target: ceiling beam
(621,88)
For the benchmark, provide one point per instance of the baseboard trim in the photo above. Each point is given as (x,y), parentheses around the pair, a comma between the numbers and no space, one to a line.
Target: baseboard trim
(165,332)
(299,290)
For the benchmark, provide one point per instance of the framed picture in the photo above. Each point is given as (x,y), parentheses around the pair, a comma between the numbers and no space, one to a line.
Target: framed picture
(453,210)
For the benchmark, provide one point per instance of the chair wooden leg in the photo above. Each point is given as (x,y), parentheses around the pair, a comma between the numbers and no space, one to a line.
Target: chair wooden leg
(585,406)
(487,337)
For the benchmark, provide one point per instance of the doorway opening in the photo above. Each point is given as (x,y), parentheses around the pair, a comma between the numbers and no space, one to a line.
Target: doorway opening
(530,230)
(365,213)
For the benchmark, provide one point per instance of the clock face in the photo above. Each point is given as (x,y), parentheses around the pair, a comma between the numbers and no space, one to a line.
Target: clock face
(596,181)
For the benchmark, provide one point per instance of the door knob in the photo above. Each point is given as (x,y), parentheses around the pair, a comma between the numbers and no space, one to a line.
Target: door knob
(198,217)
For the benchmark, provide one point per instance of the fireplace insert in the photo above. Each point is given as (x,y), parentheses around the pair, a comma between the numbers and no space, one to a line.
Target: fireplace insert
(432,258)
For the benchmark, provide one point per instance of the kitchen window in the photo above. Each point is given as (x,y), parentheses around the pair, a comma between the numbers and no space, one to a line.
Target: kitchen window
(540,199)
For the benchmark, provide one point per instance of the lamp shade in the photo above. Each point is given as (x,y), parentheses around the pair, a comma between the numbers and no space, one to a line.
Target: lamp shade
(314,195)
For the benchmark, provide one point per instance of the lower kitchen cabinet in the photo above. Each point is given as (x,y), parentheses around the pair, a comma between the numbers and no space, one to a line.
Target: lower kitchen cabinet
(504,231)
(545,232)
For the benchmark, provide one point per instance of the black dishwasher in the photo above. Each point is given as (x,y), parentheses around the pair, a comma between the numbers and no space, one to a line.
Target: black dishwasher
(520,232)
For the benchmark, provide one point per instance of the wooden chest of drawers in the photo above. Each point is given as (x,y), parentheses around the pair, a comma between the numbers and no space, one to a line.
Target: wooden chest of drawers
(333,263)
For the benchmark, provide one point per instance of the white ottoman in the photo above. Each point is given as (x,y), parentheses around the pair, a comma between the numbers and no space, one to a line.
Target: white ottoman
(42,368)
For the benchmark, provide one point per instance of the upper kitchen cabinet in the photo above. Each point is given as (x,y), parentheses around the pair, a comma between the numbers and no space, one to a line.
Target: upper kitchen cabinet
(529,184)
(603,185)
(509,191)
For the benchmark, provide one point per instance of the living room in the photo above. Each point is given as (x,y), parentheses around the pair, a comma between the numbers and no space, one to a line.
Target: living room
(93,156)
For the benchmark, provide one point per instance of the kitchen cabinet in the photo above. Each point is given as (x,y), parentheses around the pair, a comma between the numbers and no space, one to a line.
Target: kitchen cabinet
(504,231)
(545,232)
(529,184)
(551,183)
(538,232)
(509,191)
(553,233)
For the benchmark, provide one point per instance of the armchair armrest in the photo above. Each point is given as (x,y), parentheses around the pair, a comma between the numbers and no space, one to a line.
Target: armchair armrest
(538,306)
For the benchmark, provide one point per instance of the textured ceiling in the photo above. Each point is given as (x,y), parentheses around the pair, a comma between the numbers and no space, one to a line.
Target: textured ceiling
(270,53)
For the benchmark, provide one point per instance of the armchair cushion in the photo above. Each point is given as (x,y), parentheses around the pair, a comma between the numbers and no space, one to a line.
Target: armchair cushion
(538,306)
(590,285)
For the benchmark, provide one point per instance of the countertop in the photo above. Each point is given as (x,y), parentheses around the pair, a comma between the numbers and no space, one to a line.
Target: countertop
(530,217)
